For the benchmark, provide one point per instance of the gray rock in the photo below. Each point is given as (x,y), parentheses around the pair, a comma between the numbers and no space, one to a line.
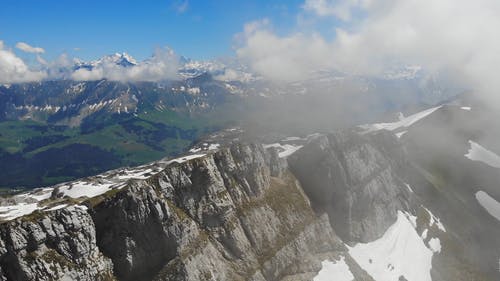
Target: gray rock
(355,180)
(239,213)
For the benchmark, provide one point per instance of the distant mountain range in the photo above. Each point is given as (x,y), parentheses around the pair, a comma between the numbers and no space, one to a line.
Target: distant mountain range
(134,122)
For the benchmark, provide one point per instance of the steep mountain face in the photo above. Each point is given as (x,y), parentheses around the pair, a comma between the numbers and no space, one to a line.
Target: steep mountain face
(283,211)
(443,147)
(223,216)
(69,103)
(58,245)
(356,181)
(453,153)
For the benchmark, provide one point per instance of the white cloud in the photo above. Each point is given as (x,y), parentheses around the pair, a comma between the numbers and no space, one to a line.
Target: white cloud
(162,65)
(459,37)
(182,6)
(341,9)
(282,58)
(29,49)
(14,70)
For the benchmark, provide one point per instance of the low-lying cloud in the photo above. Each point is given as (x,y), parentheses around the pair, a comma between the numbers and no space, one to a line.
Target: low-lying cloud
(283,58)
(29,49)
(341,9)
(456,37)
(14,70)
(162,65)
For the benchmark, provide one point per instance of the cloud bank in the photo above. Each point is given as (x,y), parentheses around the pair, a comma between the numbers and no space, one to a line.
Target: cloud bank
(29,49)
(282,58)
(14,70)
(457,37)
(162,65)
(341,9)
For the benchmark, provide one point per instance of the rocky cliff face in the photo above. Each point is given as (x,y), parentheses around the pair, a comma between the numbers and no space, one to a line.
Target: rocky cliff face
(56,245)
(239,213)
(356,180)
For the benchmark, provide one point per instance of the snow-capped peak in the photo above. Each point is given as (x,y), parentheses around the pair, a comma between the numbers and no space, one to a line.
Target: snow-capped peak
(120,59)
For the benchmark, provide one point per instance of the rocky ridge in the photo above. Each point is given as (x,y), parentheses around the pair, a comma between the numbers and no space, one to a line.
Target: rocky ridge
(239,212)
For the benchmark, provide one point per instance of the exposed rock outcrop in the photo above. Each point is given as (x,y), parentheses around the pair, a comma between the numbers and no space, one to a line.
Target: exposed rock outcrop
(55,245)
(355,179)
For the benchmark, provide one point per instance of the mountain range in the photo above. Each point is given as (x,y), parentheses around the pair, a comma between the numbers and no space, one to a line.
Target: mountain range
(414,198)
(132,122)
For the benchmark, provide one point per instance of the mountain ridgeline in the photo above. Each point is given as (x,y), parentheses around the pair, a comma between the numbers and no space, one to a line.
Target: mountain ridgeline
(128,123)
(245,211)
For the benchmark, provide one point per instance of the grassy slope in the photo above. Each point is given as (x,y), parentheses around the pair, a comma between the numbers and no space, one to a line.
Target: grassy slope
(130,140)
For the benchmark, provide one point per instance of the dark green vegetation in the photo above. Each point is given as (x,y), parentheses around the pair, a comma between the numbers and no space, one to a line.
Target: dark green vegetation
(35,154)
(43,147)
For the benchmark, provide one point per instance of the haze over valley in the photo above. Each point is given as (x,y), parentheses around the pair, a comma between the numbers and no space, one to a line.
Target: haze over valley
(308,140)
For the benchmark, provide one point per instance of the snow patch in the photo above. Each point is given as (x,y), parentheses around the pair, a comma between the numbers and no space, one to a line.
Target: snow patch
(481,154)
(82,189)
(81,207)
(18,210)
(400,134)
(468,108)
(409,187)
(489,203)
(284,150)
(57,207)
(186,158)
(195,149)
(399,252)
(193,91)
(336,270)
(293,139)
(403,123)
(213,146)
(435,220)
(435,245)
(424,234)
(139,173)
(204,147)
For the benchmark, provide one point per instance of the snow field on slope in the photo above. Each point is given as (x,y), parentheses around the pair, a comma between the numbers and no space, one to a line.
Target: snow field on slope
(478,153)
(284,150)
(489,203)
(334,271)
(403,123)
(399,252)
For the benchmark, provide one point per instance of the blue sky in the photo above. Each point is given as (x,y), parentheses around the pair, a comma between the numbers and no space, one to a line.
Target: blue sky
(91,28)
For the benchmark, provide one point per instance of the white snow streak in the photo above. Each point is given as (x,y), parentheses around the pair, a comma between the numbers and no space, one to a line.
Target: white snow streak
(18,210)
(88,189)
(479,153)
(284,150)
(489,203)
(403,123)
(57,207)
(435,220)
(186,158)
(400,134)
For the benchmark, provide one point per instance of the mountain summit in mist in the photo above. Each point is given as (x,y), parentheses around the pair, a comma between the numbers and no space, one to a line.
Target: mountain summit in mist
(309,140)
